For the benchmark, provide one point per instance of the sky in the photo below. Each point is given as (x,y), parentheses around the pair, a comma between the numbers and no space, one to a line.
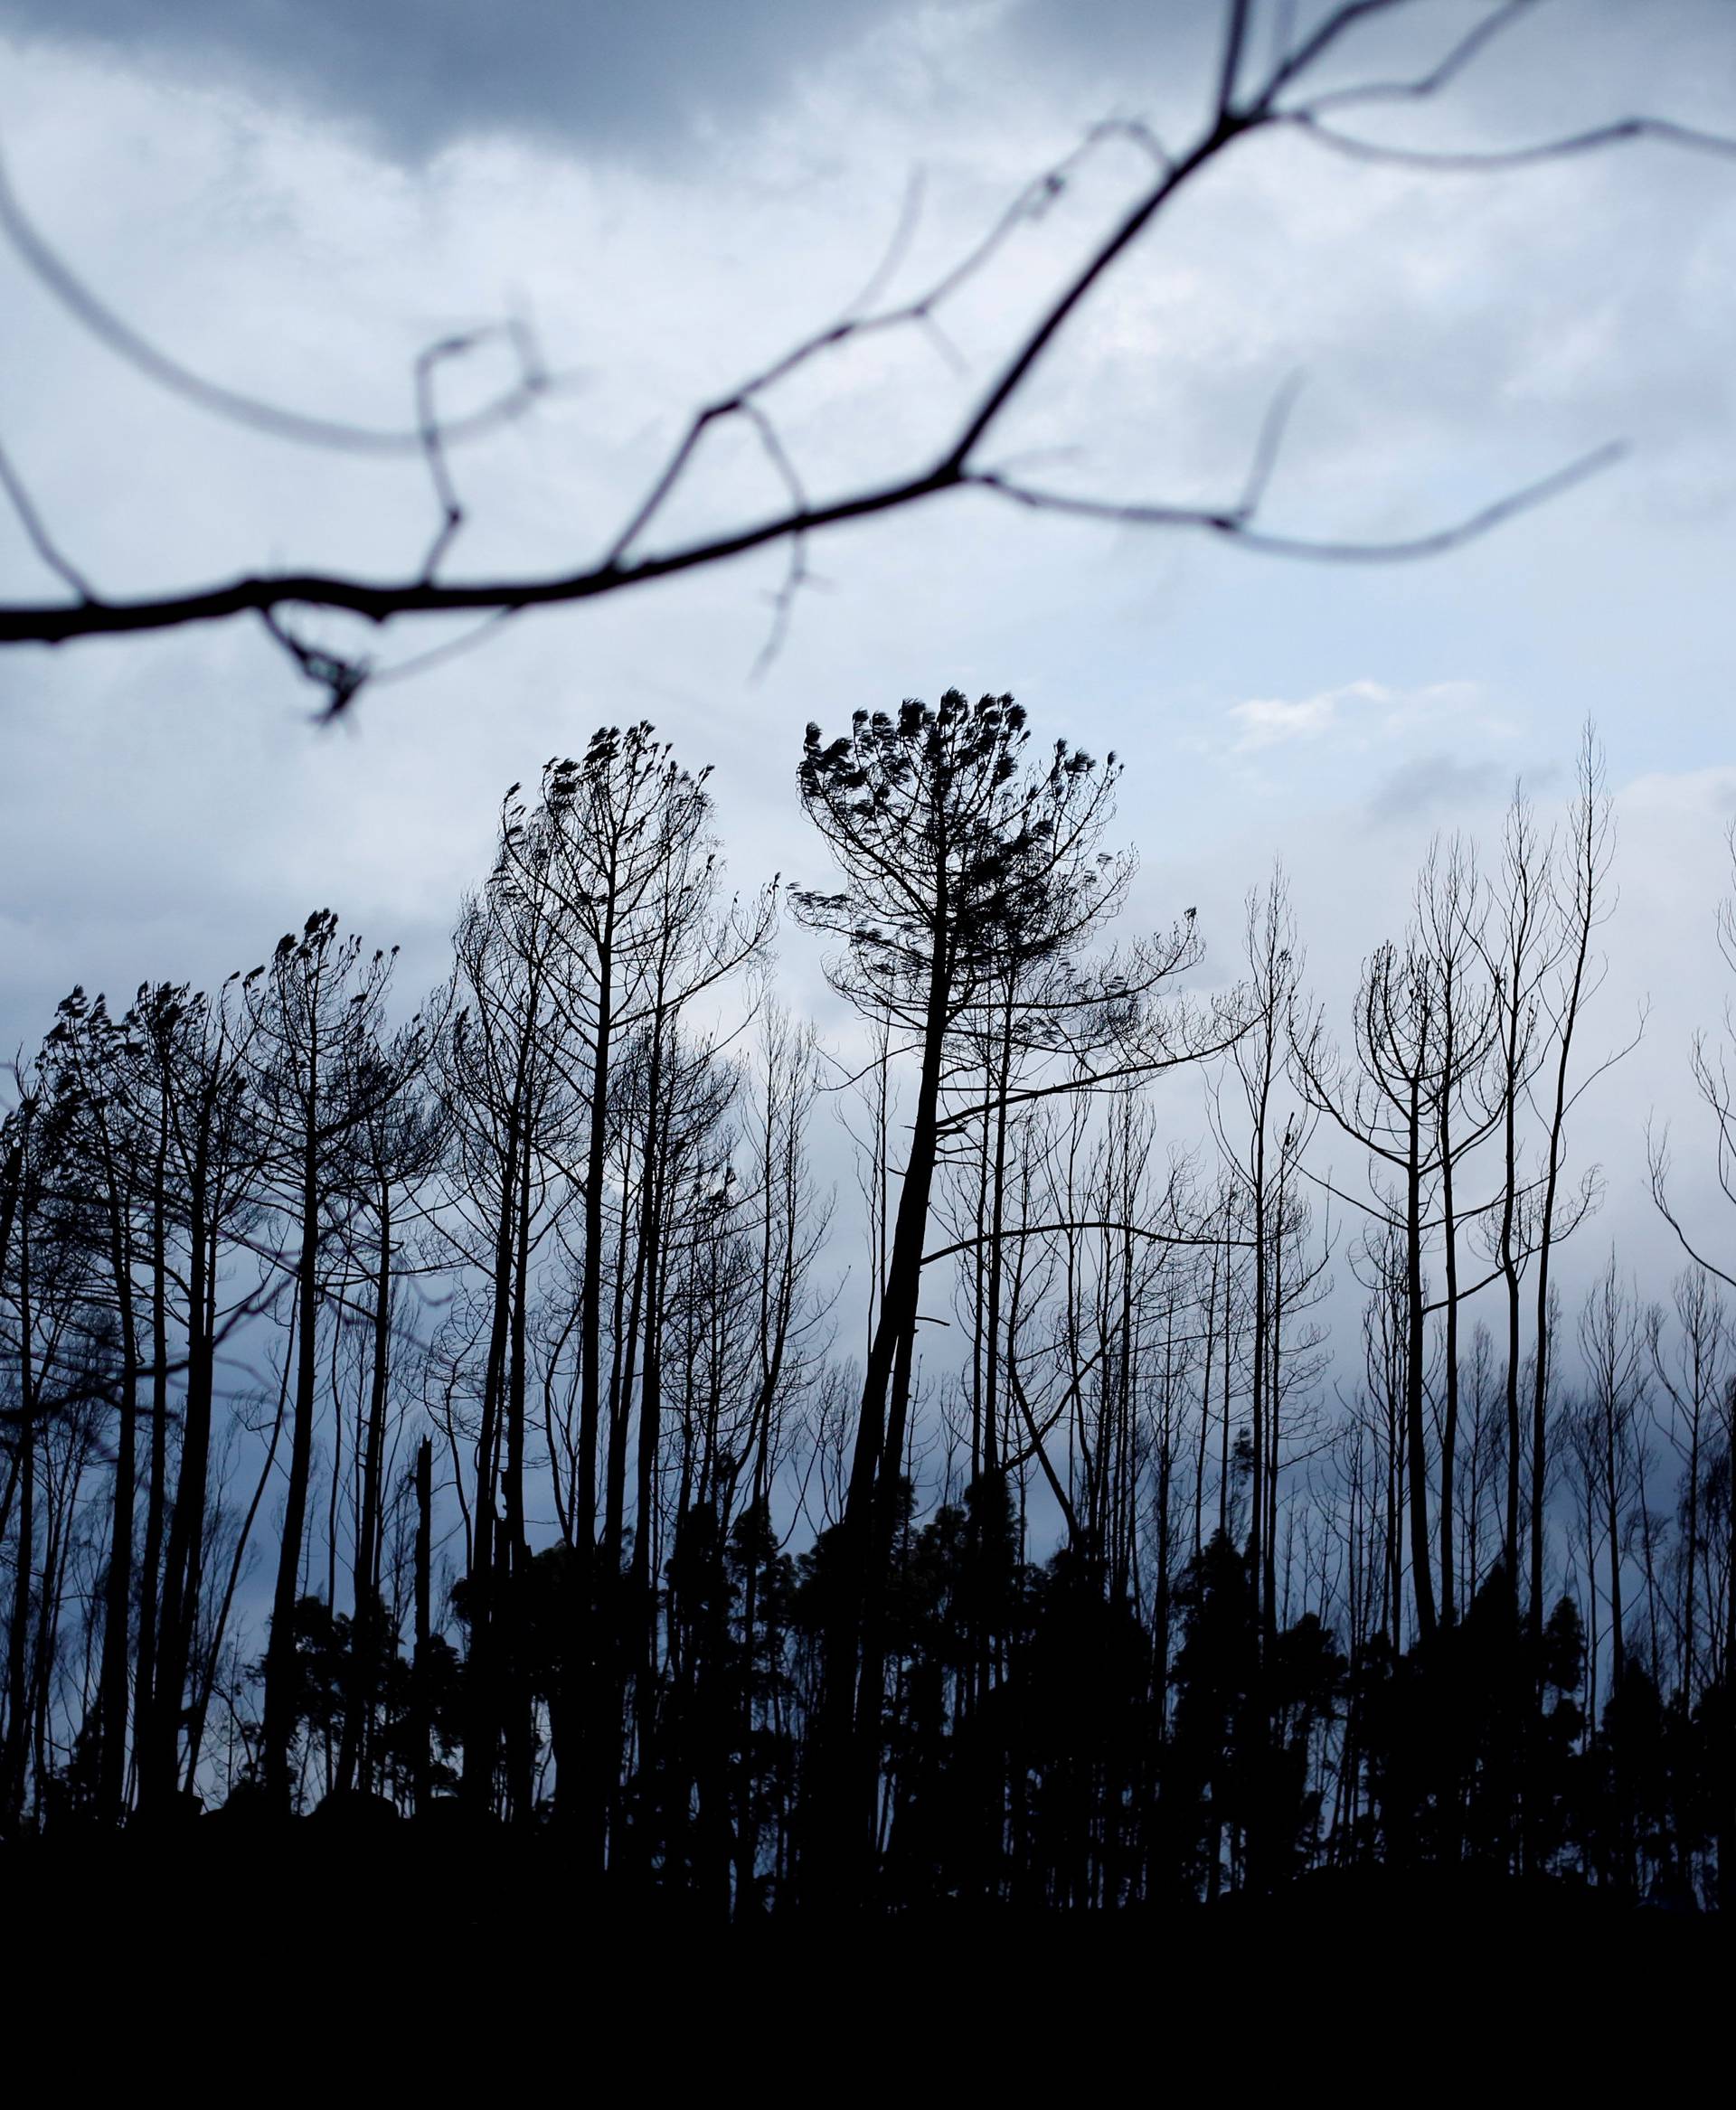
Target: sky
(294,196)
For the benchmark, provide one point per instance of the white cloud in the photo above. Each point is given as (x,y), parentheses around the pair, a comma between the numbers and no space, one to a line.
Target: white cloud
(1360,710)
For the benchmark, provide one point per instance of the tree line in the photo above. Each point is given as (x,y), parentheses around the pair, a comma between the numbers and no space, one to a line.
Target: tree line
(491,1416)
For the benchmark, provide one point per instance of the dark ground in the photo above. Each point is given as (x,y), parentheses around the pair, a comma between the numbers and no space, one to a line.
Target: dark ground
(218,1962)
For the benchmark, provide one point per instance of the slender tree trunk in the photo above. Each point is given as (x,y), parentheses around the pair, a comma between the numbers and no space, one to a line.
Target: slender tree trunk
(422,1734)
(855,1665)
(1449,1377)
(483,1699)
(111,1792)
(280,1652)
(367,1614)
(144,1698)
(590,1323)
(1422,1577)
(183,1564)
(14,1752)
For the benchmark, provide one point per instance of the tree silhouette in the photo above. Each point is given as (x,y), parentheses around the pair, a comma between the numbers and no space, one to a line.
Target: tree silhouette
(1114,1599)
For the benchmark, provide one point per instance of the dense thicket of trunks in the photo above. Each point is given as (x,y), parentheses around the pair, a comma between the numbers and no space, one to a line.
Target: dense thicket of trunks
(458,1416)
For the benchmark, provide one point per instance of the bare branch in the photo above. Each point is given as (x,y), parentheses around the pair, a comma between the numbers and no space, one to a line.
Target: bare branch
(1488,160)
(1234,36)
(956,463)
(1266,451)
(1236,524)
(40,540)
(795,575)
(54,623)
(1470,46)
(108,328)
(341,679)
(436,437)
(1330,32)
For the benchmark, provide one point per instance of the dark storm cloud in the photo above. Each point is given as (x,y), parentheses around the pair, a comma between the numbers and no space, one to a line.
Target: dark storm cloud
(417,74)
(622,76)
(636,76)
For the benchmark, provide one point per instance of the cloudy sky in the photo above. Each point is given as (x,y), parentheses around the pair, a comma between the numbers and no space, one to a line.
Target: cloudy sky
(294,196)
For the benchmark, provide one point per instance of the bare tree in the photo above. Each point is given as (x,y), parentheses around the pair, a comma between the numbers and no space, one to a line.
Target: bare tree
(1521,945)
(1466,1107)
(315,1020)
(1385,1099)
(1265,1161)
(1606,1424)
(1578,887)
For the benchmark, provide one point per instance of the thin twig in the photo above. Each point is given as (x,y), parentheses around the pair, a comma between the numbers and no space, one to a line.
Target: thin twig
(1236,525)
(1470,46)
(36,531)
(434,450)
(1266,449)
(341,679)
(1482,161)
(56,276)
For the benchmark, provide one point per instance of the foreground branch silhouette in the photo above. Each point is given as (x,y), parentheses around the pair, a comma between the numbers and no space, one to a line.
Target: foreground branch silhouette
(1285,95)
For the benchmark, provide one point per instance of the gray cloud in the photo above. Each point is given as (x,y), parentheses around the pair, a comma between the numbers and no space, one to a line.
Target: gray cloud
(1433,784)
(628,79)
(414,75)
(621,78)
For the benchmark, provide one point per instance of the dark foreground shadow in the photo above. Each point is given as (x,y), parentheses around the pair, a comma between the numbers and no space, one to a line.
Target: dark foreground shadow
(357,1874)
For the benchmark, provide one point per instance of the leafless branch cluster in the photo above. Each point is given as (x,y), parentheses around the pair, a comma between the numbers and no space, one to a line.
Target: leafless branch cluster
(1284,94)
